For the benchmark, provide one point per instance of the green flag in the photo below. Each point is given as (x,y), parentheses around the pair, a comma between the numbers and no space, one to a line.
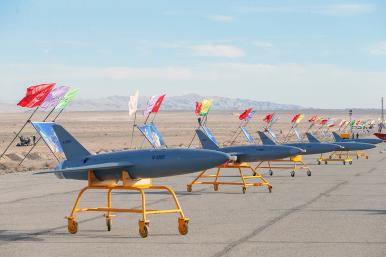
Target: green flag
(67,98)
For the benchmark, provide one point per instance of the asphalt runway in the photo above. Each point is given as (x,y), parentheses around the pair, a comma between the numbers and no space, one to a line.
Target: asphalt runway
(338,211)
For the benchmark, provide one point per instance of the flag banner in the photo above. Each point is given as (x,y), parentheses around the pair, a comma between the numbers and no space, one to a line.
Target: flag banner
(274,119)
(274,137)
(247,135)
(268,118)
(313,118)
(48,134)
(206,104)
(330,123)
(209,134)
(245,114)
(251,115)
(54,97)
(67,98)
(153,104)
(358,122)
(323,121)
(36,95)
(297,118)
(342,123)
(297,133)
(152,135)
(133,103)
(198,108)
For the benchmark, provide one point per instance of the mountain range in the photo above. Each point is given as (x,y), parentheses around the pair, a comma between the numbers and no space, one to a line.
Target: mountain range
(183,102)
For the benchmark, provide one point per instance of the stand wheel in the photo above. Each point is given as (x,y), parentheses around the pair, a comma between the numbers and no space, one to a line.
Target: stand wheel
(309,173)
(189,188)
(319,162)
(215,187)
(108,224)
(72,226)
(350,162)
(244,190)
(357,157)
(344,162)
(367,157)
(183,227)
(143,232)
(270,189)
(325,162)
(292,173)
(254,173)
(270,172)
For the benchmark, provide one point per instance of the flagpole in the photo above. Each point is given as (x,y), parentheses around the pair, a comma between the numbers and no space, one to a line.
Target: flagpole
(194,135)
(132,132)
(18,133)
(239,132)
(33,147)
(236,133)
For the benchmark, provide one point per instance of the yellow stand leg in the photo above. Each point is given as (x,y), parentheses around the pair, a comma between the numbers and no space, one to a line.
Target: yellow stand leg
(244,183)
(139,187)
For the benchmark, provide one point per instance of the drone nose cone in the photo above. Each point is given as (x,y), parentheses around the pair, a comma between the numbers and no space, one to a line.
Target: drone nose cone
(215,158)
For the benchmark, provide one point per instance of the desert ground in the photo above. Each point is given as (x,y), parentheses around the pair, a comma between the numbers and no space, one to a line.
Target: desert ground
(338,211)
(111,131)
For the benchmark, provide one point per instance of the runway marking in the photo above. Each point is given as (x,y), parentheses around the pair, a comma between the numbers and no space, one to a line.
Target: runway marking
(272,222)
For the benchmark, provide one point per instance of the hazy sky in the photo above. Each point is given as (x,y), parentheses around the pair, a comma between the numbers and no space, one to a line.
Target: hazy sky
(329,54)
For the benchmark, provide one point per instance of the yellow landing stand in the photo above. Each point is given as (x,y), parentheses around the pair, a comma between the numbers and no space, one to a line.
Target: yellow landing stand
(130,185)
(336,157)
(243,178)
(294,163)
(362,154)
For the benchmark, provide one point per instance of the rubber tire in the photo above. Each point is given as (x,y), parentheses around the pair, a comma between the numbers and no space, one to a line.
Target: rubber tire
(292,173)
(143,232)
(270,173)
(183,229)
(309,173)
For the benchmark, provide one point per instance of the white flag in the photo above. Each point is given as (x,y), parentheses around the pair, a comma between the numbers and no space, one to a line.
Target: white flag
(133,103)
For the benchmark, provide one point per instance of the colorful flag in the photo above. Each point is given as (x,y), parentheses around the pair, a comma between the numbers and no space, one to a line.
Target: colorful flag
(245,114)
(54,97)
(251,115)
(323,121)
(198,108)
(358,122)
(154,104)
(205,107)
(268,118)
(133,103)
(297,118)
(274,119)
(313,118)
(67,98)
(36,95)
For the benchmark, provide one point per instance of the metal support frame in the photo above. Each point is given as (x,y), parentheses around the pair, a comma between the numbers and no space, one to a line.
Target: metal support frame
(244,183)
(294,163)
(336,157)
(141,186)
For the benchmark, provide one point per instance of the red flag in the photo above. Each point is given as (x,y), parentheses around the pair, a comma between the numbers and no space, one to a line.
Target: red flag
(295,118)
(323,122)
(157,104)
(268,118)
(198,108)
(245,114)
(36,95)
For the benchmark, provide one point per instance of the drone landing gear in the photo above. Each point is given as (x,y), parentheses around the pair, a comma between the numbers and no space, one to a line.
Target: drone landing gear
(244,184)
(140,187)
(336,157)
(294,164)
